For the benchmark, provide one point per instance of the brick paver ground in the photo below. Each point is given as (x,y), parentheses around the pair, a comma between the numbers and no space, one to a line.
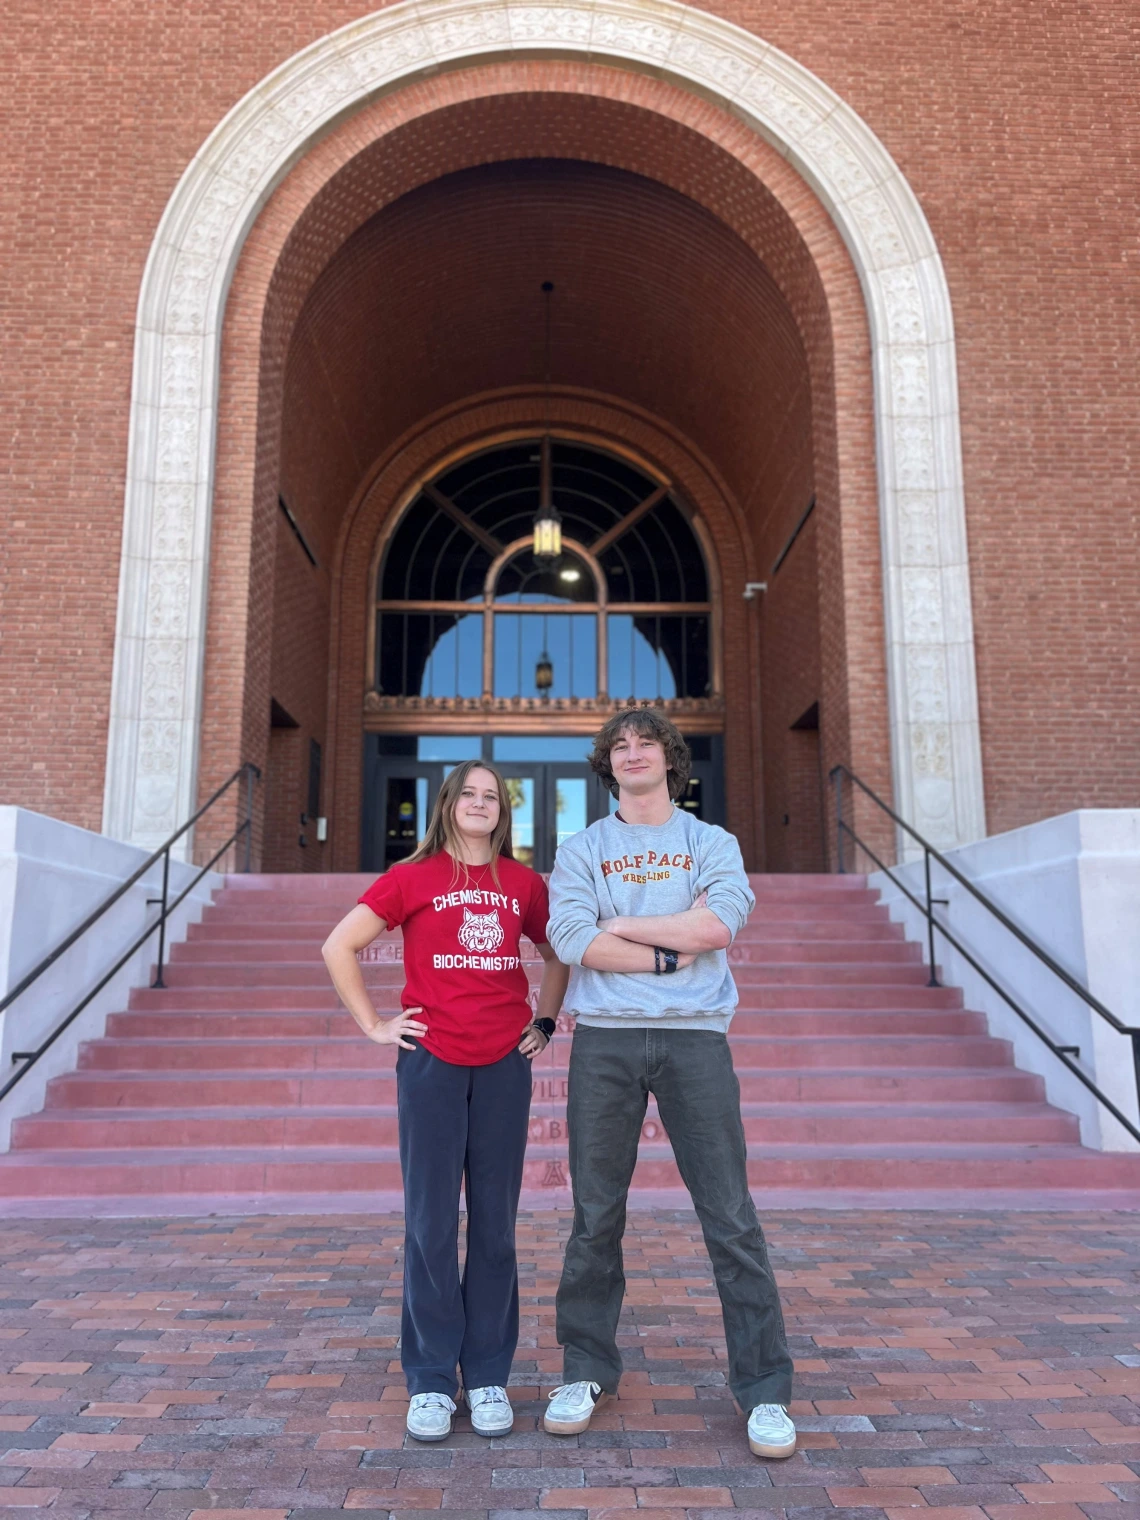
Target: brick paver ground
(977,1363)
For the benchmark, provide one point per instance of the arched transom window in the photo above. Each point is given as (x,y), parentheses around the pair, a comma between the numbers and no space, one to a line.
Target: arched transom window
(467,617)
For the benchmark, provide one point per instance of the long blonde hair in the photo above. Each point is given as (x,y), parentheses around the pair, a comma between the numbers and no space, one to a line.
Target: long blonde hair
(441,831)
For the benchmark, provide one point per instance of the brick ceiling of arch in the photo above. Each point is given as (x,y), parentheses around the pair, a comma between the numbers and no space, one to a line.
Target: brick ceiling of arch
(436,297)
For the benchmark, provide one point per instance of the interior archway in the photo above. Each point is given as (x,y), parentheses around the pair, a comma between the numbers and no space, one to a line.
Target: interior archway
(634,265)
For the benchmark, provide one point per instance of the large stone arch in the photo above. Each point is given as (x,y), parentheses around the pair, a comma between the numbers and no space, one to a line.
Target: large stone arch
(157,679)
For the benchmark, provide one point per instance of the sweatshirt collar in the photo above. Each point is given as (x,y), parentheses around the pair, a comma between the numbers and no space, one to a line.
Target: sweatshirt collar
(671,819)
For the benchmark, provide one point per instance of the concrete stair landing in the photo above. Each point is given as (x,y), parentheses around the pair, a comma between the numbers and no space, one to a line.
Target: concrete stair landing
(243,1077)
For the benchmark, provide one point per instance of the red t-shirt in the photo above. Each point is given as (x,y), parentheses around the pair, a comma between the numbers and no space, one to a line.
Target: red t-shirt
(461,950)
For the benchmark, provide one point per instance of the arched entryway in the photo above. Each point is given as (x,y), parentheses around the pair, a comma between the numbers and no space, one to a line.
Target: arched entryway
(486,649)
(874,409)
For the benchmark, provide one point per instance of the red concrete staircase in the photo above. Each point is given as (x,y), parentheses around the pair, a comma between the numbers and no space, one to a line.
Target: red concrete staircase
(244,1078)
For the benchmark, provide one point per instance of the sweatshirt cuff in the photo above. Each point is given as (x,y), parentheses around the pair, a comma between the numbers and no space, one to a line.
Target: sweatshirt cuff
(572,945)
(727,908)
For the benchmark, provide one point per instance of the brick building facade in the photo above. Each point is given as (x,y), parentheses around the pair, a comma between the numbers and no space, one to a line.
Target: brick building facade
(749,304)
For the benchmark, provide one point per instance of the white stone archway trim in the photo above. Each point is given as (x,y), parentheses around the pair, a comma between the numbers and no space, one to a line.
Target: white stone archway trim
(159,645)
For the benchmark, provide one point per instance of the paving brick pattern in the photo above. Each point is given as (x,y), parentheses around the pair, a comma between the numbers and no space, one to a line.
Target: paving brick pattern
(977,1363)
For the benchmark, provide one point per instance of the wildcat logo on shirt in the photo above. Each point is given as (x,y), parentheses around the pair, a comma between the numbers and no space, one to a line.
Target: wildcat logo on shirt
(639,869)
(481,933)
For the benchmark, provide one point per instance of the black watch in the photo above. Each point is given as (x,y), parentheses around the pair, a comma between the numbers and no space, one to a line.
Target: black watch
(664,961)
(544,1026)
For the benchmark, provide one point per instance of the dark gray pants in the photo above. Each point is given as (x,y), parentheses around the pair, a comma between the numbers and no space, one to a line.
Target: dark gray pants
(689,1072)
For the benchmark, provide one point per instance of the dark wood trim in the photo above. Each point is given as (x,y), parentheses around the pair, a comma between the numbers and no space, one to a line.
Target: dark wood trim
(525,715)
(611,535)
(550,609)
(458,515)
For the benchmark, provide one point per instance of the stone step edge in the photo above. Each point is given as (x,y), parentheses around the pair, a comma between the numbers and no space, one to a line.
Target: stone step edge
(1012,1108)
(388,1073)
(1053,1150)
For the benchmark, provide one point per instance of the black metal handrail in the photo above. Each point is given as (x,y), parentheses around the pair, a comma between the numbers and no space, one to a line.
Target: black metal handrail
(1064,1053)
(28,1058)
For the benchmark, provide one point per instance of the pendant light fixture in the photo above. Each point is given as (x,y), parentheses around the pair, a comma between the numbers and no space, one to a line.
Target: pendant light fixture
(548,520)
(544,669)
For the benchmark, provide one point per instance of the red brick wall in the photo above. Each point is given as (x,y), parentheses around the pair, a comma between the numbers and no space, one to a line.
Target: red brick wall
(1010,123)
(298,682)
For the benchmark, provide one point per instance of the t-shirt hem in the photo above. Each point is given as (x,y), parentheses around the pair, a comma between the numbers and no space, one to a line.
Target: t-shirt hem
(716,1023)
(471,1059)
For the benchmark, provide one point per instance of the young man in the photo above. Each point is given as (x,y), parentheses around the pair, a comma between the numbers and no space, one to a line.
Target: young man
(643,906)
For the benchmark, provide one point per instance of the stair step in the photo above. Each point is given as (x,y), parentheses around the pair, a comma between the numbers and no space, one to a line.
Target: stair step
(362,1170)
(285,1054)
(143,1025)
(264,976)
(850,931)
(291,950)
(773,907)
(376,1124)
(245,1076)
(357,1088)
(801,996)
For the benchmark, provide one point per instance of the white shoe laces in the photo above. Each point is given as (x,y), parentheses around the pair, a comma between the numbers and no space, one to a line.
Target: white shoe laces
(433,1401)
(574,1390)
(770,1411)
(491,1395)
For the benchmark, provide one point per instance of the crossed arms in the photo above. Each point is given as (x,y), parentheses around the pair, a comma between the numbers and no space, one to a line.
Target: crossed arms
(626,944)
(580,936)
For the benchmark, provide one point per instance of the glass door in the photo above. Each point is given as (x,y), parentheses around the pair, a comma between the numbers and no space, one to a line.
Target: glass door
(397,821)
(571,804)
(549,803)
(566,796)
(525,790)
(552,790)
(405,816)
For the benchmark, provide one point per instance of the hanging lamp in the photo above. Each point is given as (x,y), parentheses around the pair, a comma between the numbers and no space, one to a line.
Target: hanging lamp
(547,520)
(544,669)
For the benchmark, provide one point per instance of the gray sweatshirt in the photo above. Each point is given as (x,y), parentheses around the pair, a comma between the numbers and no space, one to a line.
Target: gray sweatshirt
(617,869)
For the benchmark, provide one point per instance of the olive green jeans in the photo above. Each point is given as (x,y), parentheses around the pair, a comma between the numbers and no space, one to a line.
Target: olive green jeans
(690,1073)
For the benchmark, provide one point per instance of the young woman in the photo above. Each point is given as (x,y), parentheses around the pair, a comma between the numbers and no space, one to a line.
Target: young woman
(463,1086)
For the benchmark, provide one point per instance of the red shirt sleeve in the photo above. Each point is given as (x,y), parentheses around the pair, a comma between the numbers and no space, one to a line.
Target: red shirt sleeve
(386,898)
(537,913)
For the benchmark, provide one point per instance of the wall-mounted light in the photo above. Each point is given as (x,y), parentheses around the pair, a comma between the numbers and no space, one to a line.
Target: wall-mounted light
(544,672)
(570,574)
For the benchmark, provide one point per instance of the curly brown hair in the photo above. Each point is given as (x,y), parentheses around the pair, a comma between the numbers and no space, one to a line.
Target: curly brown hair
(650,725)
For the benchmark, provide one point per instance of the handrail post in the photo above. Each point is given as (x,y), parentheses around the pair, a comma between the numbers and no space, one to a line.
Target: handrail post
(1136,1063)
(933,982)
(248,818)
(837,776)
(158,981)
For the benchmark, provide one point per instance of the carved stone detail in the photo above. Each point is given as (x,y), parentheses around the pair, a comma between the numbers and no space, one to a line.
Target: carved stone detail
(156,688)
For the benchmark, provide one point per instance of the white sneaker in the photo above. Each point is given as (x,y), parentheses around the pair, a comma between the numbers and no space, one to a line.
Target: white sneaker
(571,1407)
(771,1432)
(491,1412)
(429,1416)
